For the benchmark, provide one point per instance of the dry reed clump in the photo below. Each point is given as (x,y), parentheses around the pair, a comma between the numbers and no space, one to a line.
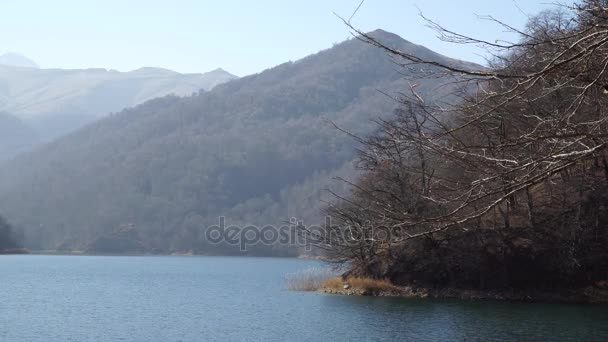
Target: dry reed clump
(327,279)
(334,283)
(363,284)
(311,279)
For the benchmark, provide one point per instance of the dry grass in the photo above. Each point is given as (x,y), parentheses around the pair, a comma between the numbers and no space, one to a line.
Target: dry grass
(372,284)
(362,284)
(311,279)
(316,278)
(335,283)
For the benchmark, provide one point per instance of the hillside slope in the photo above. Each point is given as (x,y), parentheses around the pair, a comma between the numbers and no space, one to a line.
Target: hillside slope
(58,101)
(257,150)
(15,136)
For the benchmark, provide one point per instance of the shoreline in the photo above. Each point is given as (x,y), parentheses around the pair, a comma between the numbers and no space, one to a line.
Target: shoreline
(14,251)
(76,253)
(592,294)
(587,295)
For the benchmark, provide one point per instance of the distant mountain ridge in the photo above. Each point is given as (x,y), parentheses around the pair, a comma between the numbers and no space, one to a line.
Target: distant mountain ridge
(57,101)
(17,60)
(257,150)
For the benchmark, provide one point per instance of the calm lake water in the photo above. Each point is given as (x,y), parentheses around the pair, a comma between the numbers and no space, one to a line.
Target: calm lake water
(105,298)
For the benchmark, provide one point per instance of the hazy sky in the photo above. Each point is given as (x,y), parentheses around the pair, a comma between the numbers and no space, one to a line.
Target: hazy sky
(242,37)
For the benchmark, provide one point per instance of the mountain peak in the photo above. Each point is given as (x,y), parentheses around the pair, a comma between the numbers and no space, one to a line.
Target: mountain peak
(15,59)
(387,37)
(381,32)
(219,70)
(154,71)
(222,72)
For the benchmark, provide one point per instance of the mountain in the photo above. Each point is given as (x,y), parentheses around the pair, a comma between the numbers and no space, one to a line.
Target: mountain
(257,150)
(17,60)
(57,101)
(15,136)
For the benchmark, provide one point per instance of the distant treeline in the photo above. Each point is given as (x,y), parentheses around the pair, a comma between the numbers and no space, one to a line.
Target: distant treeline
(8,238)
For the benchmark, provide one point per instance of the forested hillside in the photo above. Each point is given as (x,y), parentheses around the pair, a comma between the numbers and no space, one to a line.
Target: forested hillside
(258,150)
(8,240)
(15,136)
(505,190)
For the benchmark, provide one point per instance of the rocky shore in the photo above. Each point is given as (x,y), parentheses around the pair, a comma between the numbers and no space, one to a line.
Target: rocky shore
(596,294)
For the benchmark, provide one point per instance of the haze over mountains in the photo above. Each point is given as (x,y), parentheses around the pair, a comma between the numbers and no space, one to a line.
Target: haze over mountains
(53,102)
(15,136)
(257,150)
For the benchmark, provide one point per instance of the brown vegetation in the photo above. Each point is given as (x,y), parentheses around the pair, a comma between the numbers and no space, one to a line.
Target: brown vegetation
(507,188)
(311,279)
(364,286)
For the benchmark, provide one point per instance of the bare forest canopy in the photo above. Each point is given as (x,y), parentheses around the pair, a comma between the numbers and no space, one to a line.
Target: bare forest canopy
(506,188)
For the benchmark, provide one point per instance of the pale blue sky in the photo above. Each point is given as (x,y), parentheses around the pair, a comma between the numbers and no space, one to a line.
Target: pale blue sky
(242,37)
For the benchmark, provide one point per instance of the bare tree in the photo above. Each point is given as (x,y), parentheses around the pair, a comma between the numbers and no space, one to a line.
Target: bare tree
(524,147)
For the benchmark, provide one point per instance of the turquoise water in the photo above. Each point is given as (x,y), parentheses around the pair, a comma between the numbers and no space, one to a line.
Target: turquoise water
(105,298)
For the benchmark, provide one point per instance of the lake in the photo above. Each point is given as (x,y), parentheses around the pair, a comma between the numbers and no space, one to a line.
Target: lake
(149,298)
